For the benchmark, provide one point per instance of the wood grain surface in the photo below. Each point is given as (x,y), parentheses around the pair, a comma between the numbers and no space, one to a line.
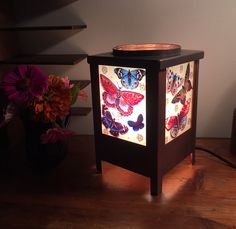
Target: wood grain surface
(73,196)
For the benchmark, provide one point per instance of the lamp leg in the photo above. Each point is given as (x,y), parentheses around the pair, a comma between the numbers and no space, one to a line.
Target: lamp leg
(99,165)
(155,185)
(193,158)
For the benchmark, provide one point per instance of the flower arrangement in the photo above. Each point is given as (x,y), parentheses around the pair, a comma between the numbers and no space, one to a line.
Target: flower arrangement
(40,98)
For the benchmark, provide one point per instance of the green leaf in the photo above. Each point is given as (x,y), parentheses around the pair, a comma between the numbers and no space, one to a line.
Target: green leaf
(59,122)
(74,92)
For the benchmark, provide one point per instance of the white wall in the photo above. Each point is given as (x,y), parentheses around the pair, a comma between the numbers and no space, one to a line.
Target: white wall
(207,25)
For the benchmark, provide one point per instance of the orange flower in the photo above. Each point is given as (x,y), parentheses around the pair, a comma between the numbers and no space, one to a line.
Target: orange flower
(38,108)
(56,102)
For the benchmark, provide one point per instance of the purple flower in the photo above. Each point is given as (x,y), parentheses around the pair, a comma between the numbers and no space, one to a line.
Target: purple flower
(24,84)
(55,134)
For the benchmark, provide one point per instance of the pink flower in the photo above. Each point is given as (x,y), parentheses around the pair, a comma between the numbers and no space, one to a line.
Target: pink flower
(24,84)
(83,95)
(66,81)
(55,134)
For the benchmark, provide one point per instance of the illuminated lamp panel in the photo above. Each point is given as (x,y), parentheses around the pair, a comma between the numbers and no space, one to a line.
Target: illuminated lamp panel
(179,97)
(123,102)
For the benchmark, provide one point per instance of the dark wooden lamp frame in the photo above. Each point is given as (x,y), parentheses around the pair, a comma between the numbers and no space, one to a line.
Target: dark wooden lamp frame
(156,158)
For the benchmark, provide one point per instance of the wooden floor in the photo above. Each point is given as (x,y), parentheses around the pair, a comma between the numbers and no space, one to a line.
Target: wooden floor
(74,196)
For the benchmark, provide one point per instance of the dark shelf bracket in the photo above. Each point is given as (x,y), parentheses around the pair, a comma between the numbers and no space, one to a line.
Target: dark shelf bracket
(50,59)
(42,28)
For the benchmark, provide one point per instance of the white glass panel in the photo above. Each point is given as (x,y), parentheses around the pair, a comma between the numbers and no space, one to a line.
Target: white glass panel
(123,102)
(179,96)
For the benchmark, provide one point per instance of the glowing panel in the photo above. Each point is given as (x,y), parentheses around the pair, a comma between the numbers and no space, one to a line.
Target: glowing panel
(179,96)
(123,102)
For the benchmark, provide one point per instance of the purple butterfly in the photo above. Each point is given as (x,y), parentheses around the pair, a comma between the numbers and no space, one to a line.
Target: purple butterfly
(138,124)
(116,128)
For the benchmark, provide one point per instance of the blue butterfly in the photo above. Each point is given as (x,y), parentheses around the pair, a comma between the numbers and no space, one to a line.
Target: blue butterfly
(174,81)
(130,79)
(138,124)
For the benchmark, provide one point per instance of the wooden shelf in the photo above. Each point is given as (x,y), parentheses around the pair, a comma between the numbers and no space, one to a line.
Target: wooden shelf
(82,83)
(50,59)
(41,28)
(79,111)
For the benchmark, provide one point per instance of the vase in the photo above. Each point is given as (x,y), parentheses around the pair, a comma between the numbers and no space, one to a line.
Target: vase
(43,157)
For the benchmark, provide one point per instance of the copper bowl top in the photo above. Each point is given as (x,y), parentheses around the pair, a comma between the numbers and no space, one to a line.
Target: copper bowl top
(146,49)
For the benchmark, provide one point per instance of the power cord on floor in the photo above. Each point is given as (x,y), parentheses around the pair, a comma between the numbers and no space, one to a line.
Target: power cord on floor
(227,162)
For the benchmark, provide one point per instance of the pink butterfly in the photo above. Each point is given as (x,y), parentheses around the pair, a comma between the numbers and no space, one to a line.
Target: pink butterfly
(178,122)
(123,101)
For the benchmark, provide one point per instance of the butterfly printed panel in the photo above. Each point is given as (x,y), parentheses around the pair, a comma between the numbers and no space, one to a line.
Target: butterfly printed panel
(179,96)
(123,102)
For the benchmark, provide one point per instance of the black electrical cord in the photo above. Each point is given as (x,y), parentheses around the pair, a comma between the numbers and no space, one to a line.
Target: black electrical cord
(227,162)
